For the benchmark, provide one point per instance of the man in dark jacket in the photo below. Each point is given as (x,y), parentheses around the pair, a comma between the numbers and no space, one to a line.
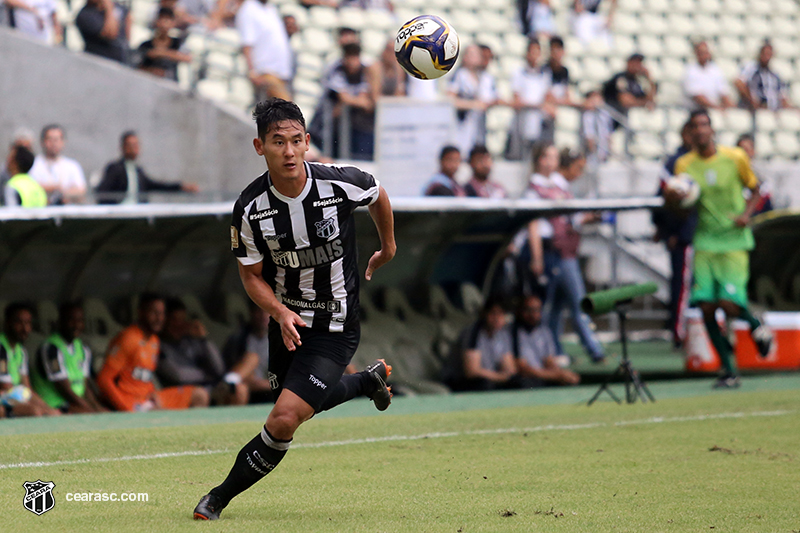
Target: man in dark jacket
(124,181)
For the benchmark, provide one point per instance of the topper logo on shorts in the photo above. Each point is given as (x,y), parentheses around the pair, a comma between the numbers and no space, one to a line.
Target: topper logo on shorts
(261,215)
(328,201)
(310,257)
(316,381)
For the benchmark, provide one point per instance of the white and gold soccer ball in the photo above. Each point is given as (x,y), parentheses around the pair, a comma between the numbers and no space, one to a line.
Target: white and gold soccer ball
(427,47)
(686,188)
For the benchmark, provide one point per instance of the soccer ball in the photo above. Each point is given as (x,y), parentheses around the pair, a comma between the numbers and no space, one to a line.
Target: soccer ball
(686,188)
(426,47)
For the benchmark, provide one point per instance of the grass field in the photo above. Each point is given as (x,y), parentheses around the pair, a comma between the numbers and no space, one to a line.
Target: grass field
(696,460)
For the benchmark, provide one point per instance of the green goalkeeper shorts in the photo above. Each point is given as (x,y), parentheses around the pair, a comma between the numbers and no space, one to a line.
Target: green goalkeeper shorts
(721,276)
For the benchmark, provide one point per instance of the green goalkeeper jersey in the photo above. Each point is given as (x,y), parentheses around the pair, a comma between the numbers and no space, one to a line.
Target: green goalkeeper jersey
(722,179)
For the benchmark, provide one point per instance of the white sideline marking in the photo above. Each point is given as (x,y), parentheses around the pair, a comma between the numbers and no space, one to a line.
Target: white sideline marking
(395,438)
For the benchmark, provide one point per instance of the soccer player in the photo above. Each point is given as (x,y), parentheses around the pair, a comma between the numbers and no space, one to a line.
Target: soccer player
(293,233)
(722,239)
(126,379)
(61,371)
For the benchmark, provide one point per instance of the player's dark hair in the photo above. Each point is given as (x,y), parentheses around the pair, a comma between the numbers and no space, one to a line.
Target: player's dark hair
(166,12)
(533,41)
(351,49)
(478,149)
(485,48)
(146,299)
(49,127)
(344,29)
(24,159)
(699,113)
(447,150)
(125,135)
(273,110)
(568,156)
(555,40)
(491,302)
(16,307)
(538,151)
(745,137)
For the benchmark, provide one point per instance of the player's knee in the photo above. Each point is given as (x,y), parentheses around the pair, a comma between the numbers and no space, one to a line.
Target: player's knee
(731,309)
(283,423)
(200,397)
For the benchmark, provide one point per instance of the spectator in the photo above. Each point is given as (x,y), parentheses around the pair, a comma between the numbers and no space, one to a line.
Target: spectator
(536,17)
(389,77)
(188,357)
(759,86)
(748,144)
(482,358)
(265,45)
(538,235)
(247,356)
(223,14)
(589,25)
(444,183)
(105,27)
(292,28)
(126,379)
(534,103)
(704,84)
(349,90)
(344,37)
(675,228)
(187,13)
(565,285)
(558,73)
(22,137)
(595,127)
(125,182)
(326,3)
(480,161)
(632,87)
(385,5)
(162,53)
(535,350)
(62,177)
(21,189)
(14,363)
(36,18)
(63,366)
(473,91)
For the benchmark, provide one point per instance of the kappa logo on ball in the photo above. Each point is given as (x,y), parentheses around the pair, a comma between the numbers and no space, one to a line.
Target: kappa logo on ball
(38,496)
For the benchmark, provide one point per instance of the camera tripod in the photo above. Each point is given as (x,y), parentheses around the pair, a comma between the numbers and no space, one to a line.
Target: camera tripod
(635,388)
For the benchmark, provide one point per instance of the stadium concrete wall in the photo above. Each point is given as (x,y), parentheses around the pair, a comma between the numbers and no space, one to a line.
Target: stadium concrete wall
(183,137)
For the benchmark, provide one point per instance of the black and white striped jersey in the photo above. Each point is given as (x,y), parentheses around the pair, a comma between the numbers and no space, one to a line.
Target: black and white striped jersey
(308,243)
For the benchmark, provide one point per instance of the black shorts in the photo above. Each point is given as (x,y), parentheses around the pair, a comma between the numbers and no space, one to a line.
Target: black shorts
(315,367)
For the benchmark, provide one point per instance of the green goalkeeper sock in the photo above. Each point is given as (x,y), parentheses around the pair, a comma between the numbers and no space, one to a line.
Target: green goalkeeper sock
(724,348)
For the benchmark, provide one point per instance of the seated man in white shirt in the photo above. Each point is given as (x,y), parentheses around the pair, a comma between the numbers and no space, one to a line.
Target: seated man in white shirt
(61,177)
(535,350)
(704,84)
(36,18)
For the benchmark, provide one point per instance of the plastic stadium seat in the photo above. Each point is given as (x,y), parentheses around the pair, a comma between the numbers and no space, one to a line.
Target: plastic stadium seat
(324,17)
(598,48)
(496,141)
(567,139)
(782,26)
(739,120)
(650,45)
(510,64)
(310,61)
(416,3)
(676,118)
(224,61)
(673,141)
(307,87)
(195,42)
(672,69)
(654,24)
(677,46)
(789,120)
(707,25)
(758,26)
(647,145)
(786,7)
(316,40)
(766,121)
(471,298)
(595,69)
(729,67)
(627,24)
(783,67)
(499,117)
(686,6)
(762,7)
(732,25)
(669,94)
(373,41)
(241,92)
(517,44)
(495,22)
(737,7)
(641,119)
(568,119)
(624,45)
(729,46)
(492,41)
(726,138)
(635,6)
(680,24)
(786,144)
(575,68)
(297,11)
(228,36)
(213,89)
(764,146)
(573,47)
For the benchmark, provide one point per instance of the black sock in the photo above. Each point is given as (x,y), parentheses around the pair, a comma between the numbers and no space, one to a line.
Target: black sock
(748,317)
(349,387)
(257,459)
(723,346)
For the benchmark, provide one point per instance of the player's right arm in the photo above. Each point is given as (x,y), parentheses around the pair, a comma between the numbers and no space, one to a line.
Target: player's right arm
(263,295)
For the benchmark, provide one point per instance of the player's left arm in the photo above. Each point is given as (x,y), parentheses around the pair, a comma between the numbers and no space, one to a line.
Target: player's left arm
(381,213)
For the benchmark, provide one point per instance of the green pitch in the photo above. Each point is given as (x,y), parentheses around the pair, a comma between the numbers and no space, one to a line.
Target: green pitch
(526,461)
